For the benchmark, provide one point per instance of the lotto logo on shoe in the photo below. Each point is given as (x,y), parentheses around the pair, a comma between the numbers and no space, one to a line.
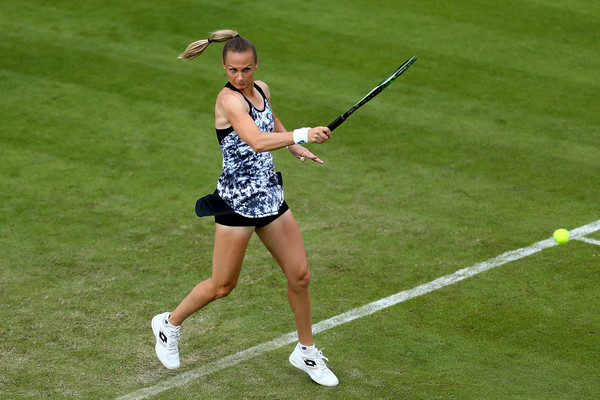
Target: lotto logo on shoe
(163,337)
(310,363)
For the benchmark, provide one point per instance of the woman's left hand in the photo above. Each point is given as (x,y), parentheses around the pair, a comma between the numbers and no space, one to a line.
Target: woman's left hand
(302,153)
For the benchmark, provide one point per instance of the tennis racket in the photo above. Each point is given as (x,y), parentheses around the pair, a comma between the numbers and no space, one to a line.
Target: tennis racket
(376,90)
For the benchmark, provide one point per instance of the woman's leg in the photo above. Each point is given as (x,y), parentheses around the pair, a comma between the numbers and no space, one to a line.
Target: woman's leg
(229,251)
(283,239)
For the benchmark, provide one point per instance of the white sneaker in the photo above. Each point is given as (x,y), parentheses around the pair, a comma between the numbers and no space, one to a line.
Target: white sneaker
(167,337)
(314,365)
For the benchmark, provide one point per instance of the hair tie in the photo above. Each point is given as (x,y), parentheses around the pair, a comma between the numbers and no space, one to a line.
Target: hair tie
(236,36)
(209,41)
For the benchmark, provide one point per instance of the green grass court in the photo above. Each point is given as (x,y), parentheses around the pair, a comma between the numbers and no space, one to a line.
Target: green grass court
(486,145)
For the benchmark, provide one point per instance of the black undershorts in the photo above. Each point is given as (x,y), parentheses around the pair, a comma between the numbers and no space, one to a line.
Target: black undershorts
(234,219)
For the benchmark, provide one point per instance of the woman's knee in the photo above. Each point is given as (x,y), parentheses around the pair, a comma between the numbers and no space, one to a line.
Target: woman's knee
(300,280)
(223,290)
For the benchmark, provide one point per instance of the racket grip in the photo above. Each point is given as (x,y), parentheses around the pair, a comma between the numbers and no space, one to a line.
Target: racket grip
(336,123)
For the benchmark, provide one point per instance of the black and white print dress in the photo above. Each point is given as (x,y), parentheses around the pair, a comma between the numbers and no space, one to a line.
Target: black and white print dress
(248,181)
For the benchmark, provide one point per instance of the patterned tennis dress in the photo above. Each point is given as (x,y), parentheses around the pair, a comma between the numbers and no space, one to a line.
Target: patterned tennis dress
(248,181)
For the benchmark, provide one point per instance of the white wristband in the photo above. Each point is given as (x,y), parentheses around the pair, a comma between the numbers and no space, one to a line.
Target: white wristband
(301,135)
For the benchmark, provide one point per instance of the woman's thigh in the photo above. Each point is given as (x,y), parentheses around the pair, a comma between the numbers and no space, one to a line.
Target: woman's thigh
(283,239)
(230,247)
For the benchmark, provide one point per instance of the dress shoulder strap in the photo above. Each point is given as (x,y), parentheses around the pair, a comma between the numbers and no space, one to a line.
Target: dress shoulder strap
(260,91)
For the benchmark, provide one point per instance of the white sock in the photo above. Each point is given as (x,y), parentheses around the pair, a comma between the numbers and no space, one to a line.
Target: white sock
(306,349)
(168,323)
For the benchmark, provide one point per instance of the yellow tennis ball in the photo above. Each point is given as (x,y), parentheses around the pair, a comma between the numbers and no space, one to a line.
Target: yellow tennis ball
(561,236)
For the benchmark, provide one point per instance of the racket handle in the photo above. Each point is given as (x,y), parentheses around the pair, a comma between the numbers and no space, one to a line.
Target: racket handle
(336,123)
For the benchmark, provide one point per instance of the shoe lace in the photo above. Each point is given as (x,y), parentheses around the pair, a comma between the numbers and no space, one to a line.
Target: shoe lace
(174,336)
(319,357)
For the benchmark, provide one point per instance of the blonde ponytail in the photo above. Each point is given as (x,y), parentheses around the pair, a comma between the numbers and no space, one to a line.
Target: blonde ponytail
(196,48)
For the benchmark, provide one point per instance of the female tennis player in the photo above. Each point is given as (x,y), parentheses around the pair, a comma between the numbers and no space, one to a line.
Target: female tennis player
(249,198)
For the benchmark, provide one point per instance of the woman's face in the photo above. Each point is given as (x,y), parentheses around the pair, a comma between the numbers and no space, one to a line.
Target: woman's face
(240,69)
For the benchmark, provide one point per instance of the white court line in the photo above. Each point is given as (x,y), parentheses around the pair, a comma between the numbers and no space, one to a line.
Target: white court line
(588,240)
(185,377)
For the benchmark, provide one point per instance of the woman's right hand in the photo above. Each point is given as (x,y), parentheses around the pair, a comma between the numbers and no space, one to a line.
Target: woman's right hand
(319,134)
